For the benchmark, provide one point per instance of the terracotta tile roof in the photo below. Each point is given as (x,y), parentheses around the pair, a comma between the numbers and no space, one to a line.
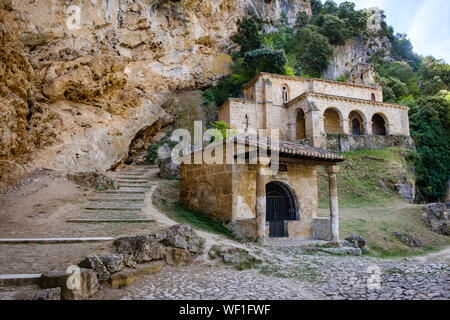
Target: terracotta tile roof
(285,148)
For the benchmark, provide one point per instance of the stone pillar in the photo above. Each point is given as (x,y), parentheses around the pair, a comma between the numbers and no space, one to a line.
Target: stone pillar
(345,125)
(334,206)
(368,128)
(263,163)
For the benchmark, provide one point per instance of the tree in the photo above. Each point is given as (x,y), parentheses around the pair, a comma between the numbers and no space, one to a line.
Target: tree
(248,35)
(314,51)
(265,59)
(302,20)
(334,29)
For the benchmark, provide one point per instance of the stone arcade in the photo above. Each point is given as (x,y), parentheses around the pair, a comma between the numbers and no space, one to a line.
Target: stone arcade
(338,116)
(260,202)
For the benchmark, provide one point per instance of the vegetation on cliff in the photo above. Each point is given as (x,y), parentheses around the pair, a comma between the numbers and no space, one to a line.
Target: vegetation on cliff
(305,50)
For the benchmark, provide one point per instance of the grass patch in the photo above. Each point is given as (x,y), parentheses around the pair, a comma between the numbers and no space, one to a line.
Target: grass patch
(198,220)
(368,178)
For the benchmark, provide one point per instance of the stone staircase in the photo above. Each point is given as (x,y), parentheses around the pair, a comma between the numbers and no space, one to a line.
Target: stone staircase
(123,205)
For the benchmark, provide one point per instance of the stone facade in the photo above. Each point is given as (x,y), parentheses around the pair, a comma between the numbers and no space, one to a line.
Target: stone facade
(236,192)
(316,107)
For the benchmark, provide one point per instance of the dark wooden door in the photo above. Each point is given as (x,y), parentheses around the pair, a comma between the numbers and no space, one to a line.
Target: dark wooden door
(279,208)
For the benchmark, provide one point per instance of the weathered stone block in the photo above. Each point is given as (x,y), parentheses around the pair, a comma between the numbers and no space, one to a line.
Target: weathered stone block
(74,286)
(178,257)
(113,263)
(182,236)
(127,277)
(93,262)
(141,248)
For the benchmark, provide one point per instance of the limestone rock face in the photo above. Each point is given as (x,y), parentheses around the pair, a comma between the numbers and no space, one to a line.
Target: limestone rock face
(79,81)
(353,60)
(238,257)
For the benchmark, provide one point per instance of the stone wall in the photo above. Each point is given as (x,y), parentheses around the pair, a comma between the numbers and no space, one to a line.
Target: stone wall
(207,189)
(301,179)
(349,143)
(322,229)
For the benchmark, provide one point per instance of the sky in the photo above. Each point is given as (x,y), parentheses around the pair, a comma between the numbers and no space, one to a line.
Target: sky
(426,22)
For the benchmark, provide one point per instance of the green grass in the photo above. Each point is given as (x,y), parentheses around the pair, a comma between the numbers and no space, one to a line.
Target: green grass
(359,183)
(198,220)
(373,213)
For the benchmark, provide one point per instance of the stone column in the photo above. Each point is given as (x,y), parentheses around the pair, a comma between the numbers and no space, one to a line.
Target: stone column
(334,206)
(345,125)
(261,173)
(368,128)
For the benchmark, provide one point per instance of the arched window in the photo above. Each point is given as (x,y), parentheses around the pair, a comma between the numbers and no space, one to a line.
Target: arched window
(300,132)
(332,122)
(246,123)
(378,125)
(356,123)
(374,97)
(285,93)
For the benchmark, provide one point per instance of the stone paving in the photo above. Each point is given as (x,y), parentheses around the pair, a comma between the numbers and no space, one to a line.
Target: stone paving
(210,283)
(297,274)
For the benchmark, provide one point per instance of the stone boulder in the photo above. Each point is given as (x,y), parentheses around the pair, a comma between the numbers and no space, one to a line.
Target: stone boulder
(140,249)
(46,294)
(114,262)
(168,169)
(356,241)
(437,217)
(238,257)
(408,240)
(178,257)
(93,262)
(183,236)
(74,286)
(92,180)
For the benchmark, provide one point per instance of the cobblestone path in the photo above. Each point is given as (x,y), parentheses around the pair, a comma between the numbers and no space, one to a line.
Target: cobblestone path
(295,274)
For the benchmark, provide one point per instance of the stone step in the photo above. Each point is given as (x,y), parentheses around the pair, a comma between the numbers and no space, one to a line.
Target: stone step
(110,221)
(125,192)
(135,186)
(117,200)
(54,240)
(19,279)
(113,208)
(140,180)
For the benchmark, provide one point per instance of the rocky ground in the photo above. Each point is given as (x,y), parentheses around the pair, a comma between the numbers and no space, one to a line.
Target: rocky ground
(48,199)
(296,274)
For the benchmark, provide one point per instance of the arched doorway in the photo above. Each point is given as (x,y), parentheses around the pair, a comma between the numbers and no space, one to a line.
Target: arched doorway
(356,123)
(300,130)
(332,122)
(378,125)
(280,207)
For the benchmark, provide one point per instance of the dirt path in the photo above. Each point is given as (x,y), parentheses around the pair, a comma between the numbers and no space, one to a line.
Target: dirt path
(441,256)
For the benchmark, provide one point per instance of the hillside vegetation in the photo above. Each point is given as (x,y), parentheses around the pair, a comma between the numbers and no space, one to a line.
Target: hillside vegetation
(371,206)
(305,49)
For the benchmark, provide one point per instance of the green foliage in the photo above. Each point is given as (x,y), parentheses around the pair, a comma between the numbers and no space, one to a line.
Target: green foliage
(248,35)
(314,51)
(224,129)
(265,59)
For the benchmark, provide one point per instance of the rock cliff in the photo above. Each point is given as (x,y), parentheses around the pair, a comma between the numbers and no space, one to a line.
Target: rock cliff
(79,80)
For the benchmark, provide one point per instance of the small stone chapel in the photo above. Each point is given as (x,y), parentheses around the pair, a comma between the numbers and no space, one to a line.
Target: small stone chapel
(261,203)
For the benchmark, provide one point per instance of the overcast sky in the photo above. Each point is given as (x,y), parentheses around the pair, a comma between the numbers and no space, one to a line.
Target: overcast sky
(427,23)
